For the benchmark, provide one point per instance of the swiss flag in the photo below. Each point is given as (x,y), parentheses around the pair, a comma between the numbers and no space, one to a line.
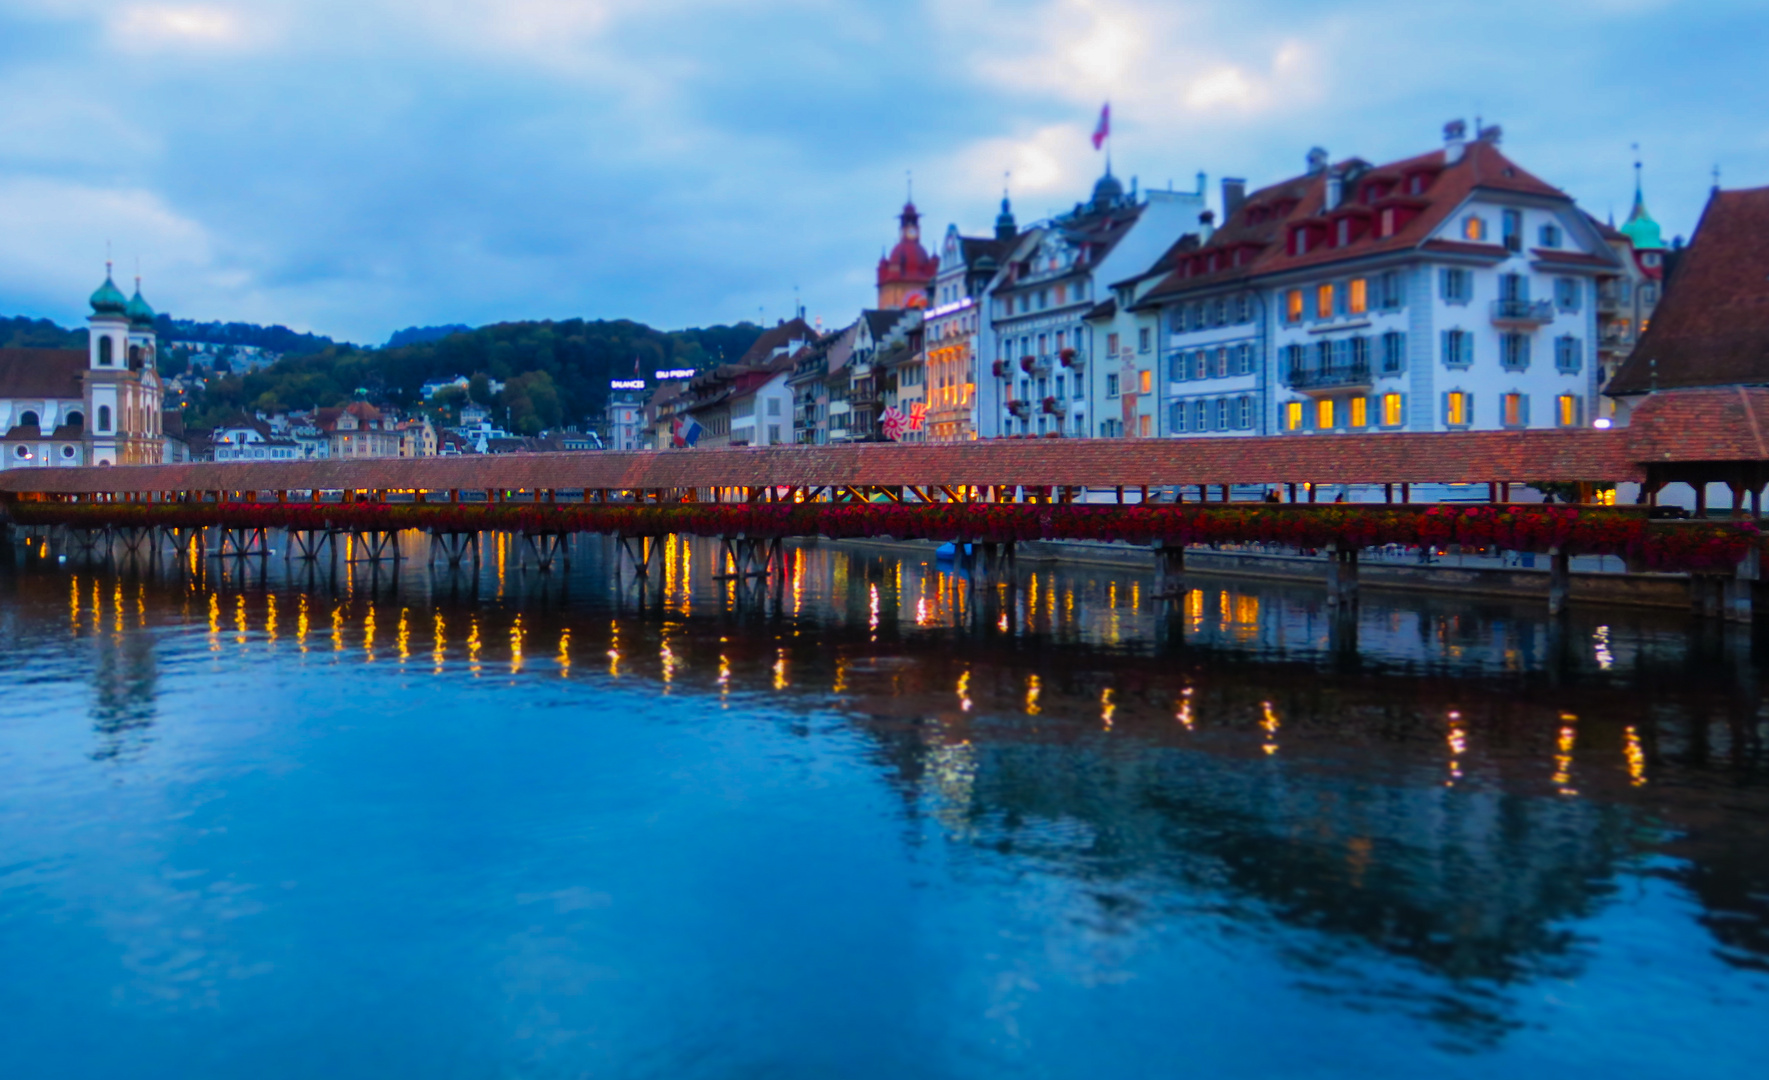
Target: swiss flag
(1104,127)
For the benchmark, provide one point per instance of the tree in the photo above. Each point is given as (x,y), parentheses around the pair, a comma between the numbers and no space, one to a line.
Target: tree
(532,402)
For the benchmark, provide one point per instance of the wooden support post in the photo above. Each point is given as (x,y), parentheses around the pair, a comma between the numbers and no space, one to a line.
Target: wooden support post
(1701,497)
(1559,579)
(1406,493)
(1742,586)
(1387,493)
(1313,490)
(1341,575)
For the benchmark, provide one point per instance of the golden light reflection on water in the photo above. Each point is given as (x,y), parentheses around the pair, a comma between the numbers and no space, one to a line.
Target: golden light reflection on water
(270,618)
(473,645)
(1600,648)
(564,657)
(1183,711)
(963,690)
(1563,747)
(1458,740)
(438,642)
(1032,691)
(74,603)
(1636,757)
(872,609)
(614,650)
(781,682)
(666,659)
(404,636)
(516,645)
(368,634)
(301,623)
(214,623)
(1107,708)
(240,628)
(337,627)
(1268,722)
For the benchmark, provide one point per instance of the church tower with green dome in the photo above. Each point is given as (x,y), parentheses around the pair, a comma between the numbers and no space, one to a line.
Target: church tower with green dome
(122,385)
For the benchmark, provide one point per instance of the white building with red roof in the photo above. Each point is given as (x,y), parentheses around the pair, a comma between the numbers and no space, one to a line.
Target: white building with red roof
(1448,291)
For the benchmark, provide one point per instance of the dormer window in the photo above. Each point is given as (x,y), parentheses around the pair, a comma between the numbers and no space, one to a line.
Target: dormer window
(1474,228)
(1550,236)
(1387,222)
(1299,242)
(1344,232)
(1416,185)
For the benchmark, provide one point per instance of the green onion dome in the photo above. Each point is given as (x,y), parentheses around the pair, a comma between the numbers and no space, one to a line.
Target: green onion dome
(109,299)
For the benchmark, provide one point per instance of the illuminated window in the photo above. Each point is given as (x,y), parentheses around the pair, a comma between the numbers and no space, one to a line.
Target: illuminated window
(1323,415)
(1359,298)
(1293,416)
(1293,305)
(1323,303)
(1514,409)
(1567,410)
(1360,411)
(1473,228)
(1144,425)
(1147,383)
(1457,407)
(1391,410)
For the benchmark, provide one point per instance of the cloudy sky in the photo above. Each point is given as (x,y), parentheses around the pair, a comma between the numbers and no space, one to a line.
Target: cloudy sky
(355,166)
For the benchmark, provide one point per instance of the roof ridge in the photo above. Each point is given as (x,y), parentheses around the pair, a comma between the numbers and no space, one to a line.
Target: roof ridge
(1751,415)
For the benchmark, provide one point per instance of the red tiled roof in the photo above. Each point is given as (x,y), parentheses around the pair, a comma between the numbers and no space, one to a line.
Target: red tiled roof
(1712,327)
(1482,167)
(1710,424)
(41,373)
(1468,457)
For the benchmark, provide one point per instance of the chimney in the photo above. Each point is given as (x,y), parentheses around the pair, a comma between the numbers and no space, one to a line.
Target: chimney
(1234,193)
(1335,190)
(1206,226)
(1317,161)
(1455,137)
(1491,134)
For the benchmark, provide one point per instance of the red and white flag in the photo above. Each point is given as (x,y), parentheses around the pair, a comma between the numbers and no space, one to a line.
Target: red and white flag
(1104,127)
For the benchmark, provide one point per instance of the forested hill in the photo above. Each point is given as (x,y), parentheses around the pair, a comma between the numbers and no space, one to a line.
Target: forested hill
(556,373)
(277,339)
(20,332)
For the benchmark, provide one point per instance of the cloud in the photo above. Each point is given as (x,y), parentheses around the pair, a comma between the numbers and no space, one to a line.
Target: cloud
(352,166)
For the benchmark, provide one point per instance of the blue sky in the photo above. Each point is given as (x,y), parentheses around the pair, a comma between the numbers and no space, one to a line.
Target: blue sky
(355,167)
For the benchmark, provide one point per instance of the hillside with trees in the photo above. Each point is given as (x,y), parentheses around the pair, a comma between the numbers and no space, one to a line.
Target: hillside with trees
(554,373)
(20,332)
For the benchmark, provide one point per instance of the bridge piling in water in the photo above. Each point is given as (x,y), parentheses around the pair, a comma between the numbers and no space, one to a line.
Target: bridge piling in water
(456,547)
(1169,571)
(1341,576)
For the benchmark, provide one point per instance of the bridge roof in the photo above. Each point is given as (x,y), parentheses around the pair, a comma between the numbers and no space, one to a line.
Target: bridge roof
(1456,457)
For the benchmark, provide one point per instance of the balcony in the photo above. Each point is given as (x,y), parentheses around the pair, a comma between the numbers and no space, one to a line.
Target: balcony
(1056,406)
(1608,299)
(1336,377)
(1523,312)
(1020,408)
(1072,360)
(1035,365)
(1003,369)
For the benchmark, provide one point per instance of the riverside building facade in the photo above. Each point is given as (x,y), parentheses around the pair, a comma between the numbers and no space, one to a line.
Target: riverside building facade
(1042,377)
(1448,291)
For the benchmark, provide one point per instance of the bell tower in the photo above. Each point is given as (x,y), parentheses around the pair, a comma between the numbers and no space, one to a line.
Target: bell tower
(122,384)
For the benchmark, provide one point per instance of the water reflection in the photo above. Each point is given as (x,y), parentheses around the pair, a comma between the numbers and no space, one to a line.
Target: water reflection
(1423,823)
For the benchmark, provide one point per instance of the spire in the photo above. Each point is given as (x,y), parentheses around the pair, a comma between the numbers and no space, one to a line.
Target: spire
(108,299)
(1005,226)
(1640,227)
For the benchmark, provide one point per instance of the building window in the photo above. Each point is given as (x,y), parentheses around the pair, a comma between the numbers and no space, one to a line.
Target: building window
(1142,340)
(104,418)
(1648,295)
(1243,359)
(1323,414)
(1394,352)
(1112,345)
(1222,361)
(1201,364)
(1177,365)
(1392,414)
(104,351)
(1566,293)
(1244,412)
(1550,236)
(1201,415)
(1514,408)
(1387,222)
(1146,382)
(1458,408)
(1456,284)
(1293,416)
(1243,309)
(1474,228)
(1359,410)
(1177,416)
(1390,290)
(1293,306)
(1323,303)
(1566,410)
(1511,229)
(1514,351)
(1567,354)
(1358,296)
(1458,348)
(1111,386)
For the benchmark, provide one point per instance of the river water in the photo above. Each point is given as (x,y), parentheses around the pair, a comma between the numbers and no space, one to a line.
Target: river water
(877,821)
